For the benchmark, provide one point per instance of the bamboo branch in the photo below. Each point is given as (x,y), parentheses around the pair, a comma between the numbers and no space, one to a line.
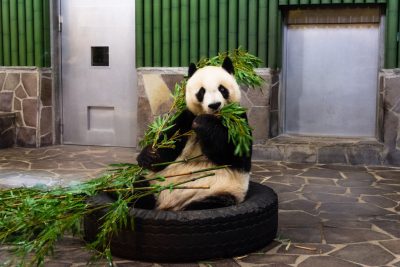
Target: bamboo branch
(175,162)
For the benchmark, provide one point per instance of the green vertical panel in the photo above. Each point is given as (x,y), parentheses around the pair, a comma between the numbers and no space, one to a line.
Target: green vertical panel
(272,32)
(21,33)
(194,30)
(314,1)
(213,28)
(6,32)
(242,28)
(325,1)
(14,32)
(166,33)
(175,38)
(392,14)
(281,2)
(336,1)
(279,40)
(262,31)
(157,33)
(232,24)
(223,26)
(359,1)
(252,39)
(38,32)
(139,33)
(46,32)
(370,1)
(293,2)
(203,28)
(148,33)
(305,2)
(347,1)
(1,36)
(185,33)
(30,53)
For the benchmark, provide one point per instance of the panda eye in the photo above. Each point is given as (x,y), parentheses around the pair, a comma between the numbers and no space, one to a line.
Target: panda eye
(200,94)
(224,91)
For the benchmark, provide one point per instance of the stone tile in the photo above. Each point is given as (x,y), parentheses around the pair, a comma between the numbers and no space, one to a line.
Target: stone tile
(20,92)
(391,227)
(30,82)
(245,102)
(222,263)
(300,154)
(46,140)
(311,188)
(52,263)
(172,79)
(332,155)
(259,121)
(391,124)
(26,137)
(299,204)
(267,258)
(355,209)
(268,153)
(30,107)
(2,78)
(279,188)
(353,183)
(17,104)
(347,235)
(258,96)
(313,249)
(389,174)
(321,181)
(297,219)
(368,254)
(46,120)
(46,92)
(302,235)
(273,124)
(326,261)
(343,168)
(322,173)
(6,101)
(359,176)
(340,223)
(12,80)
(369,155)
(287,196)
(391,91)
(330,198)
(356,191)
(379,201)
(135,264)
(287,179)
(392,245)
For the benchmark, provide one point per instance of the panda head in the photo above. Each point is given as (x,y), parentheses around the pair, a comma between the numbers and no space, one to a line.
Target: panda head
(210,88)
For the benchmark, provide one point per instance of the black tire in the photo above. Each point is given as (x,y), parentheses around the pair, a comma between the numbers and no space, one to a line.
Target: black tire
(184,236)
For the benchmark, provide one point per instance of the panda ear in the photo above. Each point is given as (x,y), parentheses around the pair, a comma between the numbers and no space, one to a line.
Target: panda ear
(228,65)
(192,69)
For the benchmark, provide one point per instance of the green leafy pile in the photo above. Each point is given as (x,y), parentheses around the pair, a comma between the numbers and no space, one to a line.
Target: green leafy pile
(238,129)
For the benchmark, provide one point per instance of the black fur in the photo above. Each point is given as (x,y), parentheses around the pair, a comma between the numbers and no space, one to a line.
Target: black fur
(213,138)
(212,202)
(228,65)
(200,94)
(149,156)
(192,69)
(224,92)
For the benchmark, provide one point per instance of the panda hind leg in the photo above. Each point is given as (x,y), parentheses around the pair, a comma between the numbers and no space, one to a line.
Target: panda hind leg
(212,202)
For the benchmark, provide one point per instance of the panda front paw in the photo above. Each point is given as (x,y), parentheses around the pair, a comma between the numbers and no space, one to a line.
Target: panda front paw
(205,122)
(147,157)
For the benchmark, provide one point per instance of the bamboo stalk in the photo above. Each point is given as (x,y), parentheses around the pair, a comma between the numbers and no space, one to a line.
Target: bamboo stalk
(391,33)
(194,30)
(223,25)
(139,33)
(166,33)
(262,32)
(6,32)
(252,32)
(213,28)
(148,36)
(30,53)
(22,33)
(242,21)
(177,161)
(272,32)
(198,171)
(232,25)
(184,35)
(14,32)
(203,47)
(38,32)
(157,16)
(175,44)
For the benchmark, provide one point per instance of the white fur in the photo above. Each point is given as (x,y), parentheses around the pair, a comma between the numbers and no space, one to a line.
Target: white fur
(210,78)
(225,181)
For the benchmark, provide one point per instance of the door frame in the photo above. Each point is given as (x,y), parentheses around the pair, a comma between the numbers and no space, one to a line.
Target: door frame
(283,78)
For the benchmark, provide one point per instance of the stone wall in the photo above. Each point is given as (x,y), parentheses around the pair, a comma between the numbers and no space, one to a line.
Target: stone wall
(28,93)
(154,98)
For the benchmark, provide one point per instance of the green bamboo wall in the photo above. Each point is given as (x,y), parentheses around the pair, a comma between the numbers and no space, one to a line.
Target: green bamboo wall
(177,32)
(25,33)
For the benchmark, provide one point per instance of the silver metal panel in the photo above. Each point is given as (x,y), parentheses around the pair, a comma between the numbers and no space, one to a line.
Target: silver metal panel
(99,102)
(331,78)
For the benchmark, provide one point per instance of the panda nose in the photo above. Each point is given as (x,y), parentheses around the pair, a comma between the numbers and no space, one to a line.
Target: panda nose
(215,105)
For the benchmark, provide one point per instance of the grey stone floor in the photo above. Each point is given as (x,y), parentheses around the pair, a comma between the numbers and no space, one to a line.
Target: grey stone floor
(333,215)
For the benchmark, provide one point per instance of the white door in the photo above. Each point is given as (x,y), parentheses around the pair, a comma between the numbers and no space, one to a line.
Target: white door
(331,79)
(98,72)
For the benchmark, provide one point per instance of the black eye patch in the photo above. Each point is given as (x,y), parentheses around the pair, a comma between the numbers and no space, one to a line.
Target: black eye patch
(224,91)
(200,94)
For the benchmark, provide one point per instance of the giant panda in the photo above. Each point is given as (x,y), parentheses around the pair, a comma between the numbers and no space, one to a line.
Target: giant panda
(208,89)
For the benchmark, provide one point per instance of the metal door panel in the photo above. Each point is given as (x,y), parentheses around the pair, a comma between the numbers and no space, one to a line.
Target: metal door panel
(331,80)
(99,102)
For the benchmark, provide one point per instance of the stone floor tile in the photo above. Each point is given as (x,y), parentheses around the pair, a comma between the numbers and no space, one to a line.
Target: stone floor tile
(330,198)
(302,235)
(322,173)
(306,249)
(359,176)
(355,209)
(368,254)
(326,261)
(321,181)
(299,166)
(392,245)
(312,188)
(354,183)
(352,224)
(389,174)
(261,258)
(357,191)
(291,219)
(288,196)
(379,201)
(134,264)
(221,263)
(287,179)
(343,168)
(391,227)
(393,196)
(301,205)
(346,235)
(279,188)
